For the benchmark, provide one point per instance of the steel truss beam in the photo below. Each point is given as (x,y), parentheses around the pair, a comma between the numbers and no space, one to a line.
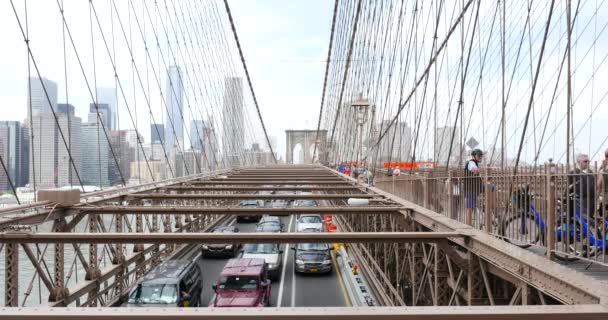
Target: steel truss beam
(45,215)
(261,188)
(270,182)
(550,278)
(252,196)
(238,210)
(559,312)
(255,237)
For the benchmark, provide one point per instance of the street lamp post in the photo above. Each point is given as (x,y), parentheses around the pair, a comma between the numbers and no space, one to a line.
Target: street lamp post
(360,106)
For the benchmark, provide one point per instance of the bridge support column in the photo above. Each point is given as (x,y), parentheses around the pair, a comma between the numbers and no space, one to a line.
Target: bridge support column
(167,229)
(59,291)
(139,247)
(550,181)
(475,283)
(93,272)
(119,257)
(11,275)
(426,191)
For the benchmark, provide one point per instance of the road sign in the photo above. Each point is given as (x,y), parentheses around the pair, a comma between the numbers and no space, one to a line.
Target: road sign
(472,143)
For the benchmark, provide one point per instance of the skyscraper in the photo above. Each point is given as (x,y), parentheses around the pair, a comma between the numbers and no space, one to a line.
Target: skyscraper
(233,121)
(105,114)
(107,96)
(11,135)
(125,155)
(174,125)
(95,148)
(157,132)
(50,164)
(443,140)
(42,94)
(197,132)
(396,145)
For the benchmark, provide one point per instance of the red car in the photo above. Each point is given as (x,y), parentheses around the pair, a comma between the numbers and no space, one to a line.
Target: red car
(242,283)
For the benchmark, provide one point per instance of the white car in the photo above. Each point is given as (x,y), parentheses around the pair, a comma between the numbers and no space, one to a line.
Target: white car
(270,252)
(309,222)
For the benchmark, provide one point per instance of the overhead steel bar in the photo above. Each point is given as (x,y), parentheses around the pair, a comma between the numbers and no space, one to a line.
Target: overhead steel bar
(553,312)
(205,237)
(261,188)
(251,196)
(46,216)
(267,182)
(317,180)
(237,210)
(281,175)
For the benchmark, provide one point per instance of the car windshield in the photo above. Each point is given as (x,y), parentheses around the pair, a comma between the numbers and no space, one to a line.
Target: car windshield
(278,203)
(249,203)
(313,246)
(154,293)
(307,203)
(268,227)
(310,219)
(269,222)
(261,248)
(238,282)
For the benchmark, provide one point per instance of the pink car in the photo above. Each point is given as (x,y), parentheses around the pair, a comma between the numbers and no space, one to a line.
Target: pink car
(242,283)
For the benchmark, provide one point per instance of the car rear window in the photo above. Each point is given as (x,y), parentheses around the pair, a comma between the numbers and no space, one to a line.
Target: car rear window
(261,248)
(310,219)
(313,246)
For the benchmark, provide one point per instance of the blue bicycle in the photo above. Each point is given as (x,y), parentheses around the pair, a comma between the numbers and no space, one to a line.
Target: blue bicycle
(582,236)
(526,227)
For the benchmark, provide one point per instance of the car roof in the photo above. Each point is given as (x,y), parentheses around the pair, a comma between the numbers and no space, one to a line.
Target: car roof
(270,218)
(310,215)
(267,227)
(243,266)
(170,271)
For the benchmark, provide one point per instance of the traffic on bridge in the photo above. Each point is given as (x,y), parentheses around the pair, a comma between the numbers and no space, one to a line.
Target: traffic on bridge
(358,159)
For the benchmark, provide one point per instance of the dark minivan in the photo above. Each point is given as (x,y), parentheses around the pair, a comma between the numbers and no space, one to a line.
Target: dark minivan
(174,283)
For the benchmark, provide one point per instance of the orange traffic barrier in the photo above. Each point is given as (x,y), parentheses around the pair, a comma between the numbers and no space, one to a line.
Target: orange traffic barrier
(332,228)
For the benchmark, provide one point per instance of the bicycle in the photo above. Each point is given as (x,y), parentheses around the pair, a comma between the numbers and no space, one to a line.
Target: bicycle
(574,228)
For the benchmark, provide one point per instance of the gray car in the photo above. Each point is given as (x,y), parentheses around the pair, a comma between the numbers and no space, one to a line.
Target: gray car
(312,258)
(269,224)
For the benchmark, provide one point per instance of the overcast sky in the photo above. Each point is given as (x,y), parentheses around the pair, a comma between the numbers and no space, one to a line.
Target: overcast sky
(285,44)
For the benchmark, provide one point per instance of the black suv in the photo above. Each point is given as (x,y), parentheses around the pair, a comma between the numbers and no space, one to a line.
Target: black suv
(250,204)
(173,283)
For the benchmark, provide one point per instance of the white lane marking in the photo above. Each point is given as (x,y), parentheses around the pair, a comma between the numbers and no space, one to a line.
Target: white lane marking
(232,222)
(293,287)
(293,281)
(286,255)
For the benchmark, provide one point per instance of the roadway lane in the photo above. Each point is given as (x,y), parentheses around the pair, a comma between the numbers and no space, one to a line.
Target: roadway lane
(299,290)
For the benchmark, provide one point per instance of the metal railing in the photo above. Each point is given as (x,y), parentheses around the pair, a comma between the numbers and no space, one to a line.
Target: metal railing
(549,209)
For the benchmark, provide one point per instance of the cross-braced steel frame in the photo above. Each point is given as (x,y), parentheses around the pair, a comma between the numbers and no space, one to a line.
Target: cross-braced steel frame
(409,255)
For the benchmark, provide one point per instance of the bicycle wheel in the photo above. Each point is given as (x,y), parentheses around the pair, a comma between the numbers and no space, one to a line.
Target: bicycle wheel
(577,248)
(522,230)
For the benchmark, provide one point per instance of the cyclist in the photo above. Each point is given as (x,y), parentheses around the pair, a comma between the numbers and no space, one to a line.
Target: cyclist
(602,181)
(472,183)
(582,183)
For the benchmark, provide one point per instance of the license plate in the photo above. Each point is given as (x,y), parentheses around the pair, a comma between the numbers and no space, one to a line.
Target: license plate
(313,270)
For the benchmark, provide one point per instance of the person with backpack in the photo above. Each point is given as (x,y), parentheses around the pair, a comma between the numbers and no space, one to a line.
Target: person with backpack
(472,183)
